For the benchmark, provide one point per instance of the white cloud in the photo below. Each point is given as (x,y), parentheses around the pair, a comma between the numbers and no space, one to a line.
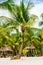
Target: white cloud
(36,1)
(4,13)
(37,9)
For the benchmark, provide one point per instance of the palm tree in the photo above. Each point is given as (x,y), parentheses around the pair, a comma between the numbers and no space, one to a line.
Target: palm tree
(20,17)
(41,33)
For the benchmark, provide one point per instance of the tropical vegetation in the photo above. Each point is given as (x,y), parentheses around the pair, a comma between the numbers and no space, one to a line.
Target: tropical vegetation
(23,20)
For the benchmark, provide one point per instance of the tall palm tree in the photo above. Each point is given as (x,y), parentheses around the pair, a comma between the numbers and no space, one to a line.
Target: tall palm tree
(20,17)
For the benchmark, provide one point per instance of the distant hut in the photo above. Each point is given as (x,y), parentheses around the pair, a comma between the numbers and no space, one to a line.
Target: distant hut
(5,51)
(31,49)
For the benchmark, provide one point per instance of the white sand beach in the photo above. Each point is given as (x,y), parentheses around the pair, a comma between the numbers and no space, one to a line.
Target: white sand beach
(22,61)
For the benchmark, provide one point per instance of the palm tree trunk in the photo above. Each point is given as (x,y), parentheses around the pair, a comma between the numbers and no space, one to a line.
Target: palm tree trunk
(22,41)
(41,50)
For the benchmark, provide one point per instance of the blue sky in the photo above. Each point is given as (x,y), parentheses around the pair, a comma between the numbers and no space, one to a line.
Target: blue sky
(26,1)
(35,1)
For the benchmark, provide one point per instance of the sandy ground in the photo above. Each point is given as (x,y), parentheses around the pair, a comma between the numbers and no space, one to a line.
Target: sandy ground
(22,61)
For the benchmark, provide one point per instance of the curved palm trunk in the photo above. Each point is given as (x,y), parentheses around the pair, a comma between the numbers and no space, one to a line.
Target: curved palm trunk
(22,41)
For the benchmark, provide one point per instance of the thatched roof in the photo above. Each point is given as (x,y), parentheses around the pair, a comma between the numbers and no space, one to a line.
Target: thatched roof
(30,47)
(5,48)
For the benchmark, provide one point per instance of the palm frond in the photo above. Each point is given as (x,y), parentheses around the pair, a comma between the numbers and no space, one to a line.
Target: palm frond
(24,11)
(30,5)
(6,5)
(8,24)
(41,23)
(10,1)
(42,15)
(32,28)
(32,20)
